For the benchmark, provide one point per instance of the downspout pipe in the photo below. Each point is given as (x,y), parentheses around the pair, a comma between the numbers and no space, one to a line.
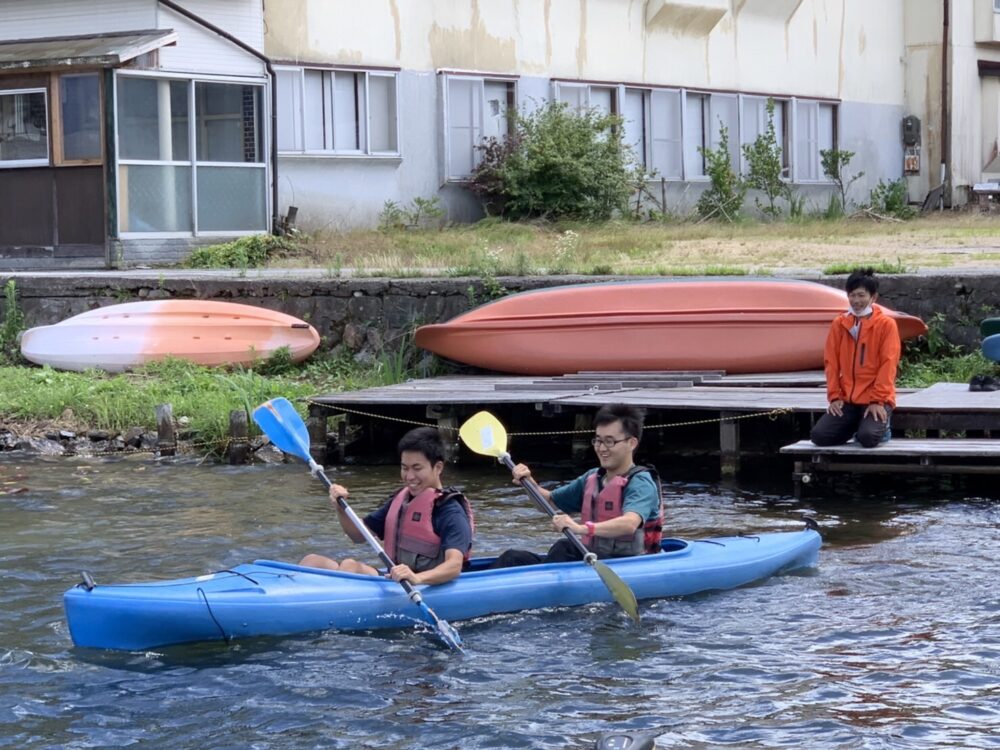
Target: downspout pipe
(946,197)
(274,94)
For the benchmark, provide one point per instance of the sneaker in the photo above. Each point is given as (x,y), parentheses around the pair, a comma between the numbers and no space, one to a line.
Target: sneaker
(990,383)
(976,383)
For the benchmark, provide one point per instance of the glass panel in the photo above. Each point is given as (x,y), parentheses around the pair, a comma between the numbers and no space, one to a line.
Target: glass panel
(231,198)
(602,99)
(80,102)
(23,126)
(316,110)
(228,122)
(806,140)
(667,146)
(289,110)
(495,123)
(694,135)
(153,119)
(348,105)
(574,96)
(465,96)
(382,113)
(155,198)
(634,116)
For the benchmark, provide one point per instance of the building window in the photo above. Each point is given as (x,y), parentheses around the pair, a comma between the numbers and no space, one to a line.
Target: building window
(996,6)
(581,96)
(337,112)
(754,124)
(24,135)
(79,119)
(652,128)
(814,132)
(190,156)
(476,109)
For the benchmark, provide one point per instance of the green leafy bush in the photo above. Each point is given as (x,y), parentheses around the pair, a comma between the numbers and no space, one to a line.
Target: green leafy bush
(246,252)
(889,199)
(559,163)
(766,168)
(834,162)
(724,197)
(13,325)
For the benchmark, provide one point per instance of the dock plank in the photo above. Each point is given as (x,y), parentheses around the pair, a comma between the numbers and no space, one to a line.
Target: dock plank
(903,448)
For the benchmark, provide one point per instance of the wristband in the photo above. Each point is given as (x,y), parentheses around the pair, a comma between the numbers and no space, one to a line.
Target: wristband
(590,527)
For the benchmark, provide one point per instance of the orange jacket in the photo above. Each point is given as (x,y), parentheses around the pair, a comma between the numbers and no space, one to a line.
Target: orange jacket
(863,371)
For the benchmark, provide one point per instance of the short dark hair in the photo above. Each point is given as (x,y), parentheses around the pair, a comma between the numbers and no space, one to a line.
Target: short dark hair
(862,277)
(424,440)
(630,417)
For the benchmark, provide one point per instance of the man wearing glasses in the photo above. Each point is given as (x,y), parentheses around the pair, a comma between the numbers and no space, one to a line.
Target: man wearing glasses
(619,502)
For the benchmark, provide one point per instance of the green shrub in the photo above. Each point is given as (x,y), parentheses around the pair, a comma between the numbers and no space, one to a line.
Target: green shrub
(834,162)
(889,199)
(724,197)
(766,169)
(246,252)
(559,163)
(13,325)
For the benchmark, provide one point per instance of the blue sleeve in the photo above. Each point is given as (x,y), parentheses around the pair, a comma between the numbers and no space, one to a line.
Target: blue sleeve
(375,520)
(452,524)
(569,497)
(642,496)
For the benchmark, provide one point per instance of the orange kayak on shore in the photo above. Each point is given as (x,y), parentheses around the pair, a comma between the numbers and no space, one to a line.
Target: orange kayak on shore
(119,337)
(737,325)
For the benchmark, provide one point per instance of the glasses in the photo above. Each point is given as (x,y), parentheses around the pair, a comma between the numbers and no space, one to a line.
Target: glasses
(607,442)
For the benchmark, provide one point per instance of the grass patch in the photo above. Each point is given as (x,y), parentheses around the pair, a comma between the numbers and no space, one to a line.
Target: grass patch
(882,266)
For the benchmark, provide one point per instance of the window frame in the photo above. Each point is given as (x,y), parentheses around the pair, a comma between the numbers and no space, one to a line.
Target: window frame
(34,162)
(328,87)
(786,155)
(799,132)
(56,118)
(482,79)
(193,162)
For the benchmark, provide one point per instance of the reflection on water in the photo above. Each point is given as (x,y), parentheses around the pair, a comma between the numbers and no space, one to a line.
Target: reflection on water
(894,641)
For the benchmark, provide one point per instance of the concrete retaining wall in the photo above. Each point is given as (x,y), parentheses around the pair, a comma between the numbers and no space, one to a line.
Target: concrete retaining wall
(369,316)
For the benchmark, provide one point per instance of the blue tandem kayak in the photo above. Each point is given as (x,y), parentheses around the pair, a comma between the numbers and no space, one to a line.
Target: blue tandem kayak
(268,598)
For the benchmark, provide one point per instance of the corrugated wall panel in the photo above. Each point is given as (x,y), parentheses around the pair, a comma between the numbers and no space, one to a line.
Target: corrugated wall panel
(200,50)
(26,19)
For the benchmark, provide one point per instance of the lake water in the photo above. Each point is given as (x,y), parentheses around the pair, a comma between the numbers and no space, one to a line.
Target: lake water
(892,642)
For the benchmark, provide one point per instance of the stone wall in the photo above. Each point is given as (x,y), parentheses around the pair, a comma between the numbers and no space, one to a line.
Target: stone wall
(371,315)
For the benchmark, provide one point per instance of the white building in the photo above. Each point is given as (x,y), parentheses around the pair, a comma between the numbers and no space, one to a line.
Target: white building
(130,129)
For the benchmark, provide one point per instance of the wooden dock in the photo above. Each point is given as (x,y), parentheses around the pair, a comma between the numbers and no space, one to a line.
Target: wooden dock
(710,399)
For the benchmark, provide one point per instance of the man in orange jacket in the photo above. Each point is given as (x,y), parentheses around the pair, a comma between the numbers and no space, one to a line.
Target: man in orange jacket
(860,360)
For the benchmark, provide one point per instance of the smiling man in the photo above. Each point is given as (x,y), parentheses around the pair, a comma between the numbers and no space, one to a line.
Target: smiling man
(860,360)
(427,528)
(618,503)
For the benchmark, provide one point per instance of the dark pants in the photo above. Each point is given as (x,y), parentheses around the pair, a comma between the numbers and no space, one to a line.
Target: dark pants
(831,430)
(562,551)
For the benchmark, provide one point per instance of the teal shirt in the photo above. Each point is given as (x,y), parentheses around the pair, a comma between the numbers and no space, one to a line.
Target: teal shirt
(642,496)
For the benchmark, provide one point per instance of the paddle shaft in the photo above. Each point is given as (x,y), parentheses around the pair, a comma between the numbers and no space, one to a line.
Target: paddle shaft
(366,533)
(532,489)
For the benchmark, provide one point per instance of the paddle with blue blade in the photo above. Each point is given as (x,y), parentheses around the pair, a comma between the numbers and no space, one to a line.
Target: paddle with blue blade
(484,434)
(285,428)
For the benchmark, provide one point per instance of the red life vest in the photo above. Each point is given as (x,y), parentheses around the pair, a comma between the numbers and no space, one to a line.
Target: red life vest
(607,504)
(409,532)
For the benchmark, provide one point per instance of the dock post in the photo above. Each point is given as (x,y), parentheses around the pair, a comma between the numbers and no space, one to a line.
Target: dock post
(581,441)
(447,424)
(316,425)
(341,439)
(166,443)
(729,444)
(238,447)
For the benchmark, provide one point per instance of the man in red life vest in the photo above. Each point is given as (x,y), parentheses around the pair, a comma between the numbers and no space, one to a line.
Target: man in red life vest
(427,529)
(619,502)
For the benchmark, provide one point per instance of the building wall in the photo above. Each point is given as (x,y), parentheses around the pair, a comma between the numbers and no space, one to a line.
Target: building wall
(243,19)
(25,19)
(818,49)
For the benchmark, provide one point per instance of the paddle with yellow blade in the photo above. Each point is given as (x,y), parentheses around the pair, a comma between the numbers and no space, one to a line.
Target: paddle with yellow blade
(484,434)
(283,425)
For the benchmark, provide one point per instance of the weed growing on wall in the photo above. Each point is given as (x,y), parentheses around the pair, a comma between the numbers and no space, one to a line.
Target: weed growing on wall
(559,163)
(13,324)
(246,252)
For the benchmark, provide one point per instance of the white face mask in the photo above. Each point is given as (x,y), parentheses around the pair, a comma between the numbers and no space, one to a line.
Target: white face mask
(863,314)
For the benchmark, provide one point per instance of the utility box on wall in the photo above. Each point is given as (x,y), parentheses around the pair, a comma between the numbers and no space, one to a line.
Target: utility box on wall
(911,144)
